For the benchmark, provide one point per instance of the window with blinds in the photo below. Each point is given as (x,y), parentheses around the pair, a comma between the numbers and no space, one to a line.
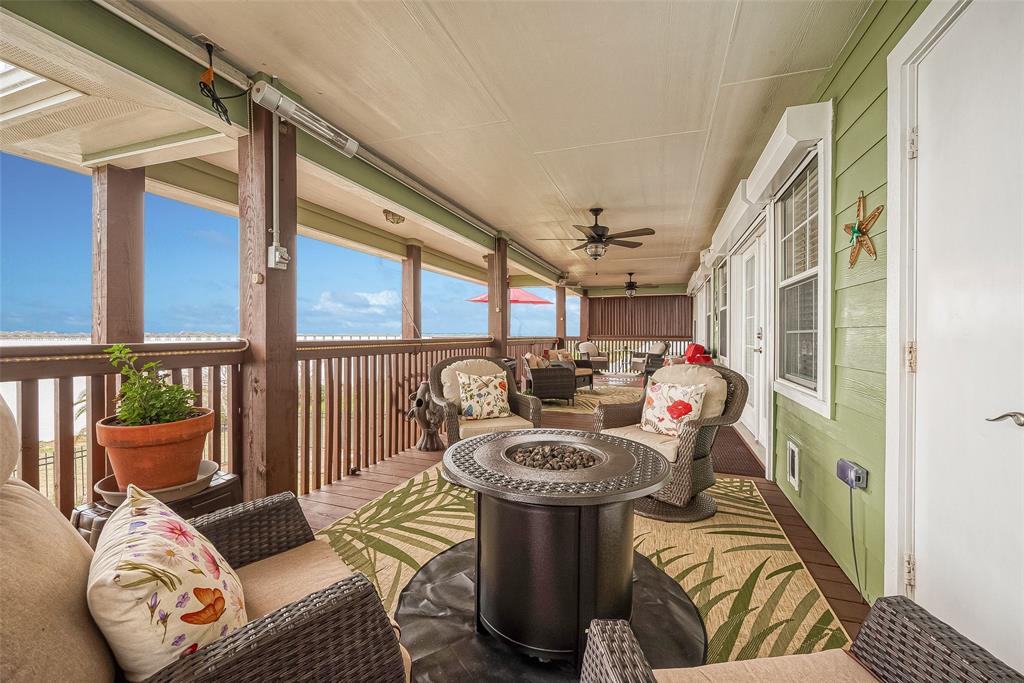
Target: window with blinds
(723,310)
(797,211)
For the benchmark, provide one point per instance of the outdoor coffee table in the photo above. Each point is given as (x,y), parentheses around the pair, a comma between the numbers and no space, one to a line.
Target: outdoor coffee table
(553,550)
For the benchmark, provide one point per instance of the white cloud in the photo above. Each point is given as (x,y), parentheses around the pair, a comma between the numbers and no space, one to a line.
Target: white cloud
(385,298)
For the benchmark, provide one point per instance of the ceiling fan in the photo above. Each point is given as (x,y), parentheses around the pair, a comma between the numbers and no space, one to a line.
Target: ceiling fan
(598,238)
(631,286)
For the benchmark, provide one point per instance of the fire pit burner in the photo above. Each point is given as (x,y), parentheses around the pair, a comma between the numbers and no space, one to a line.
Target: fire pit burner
(552,456)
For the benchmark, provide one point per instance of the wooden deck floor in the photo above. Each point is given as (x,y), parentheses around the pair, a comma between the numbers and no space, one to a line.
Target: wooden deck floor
(336,500)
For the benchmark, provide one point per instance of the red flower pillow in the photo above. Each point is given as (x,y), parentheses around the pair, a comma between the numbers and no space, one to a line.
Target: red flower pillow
(669,406)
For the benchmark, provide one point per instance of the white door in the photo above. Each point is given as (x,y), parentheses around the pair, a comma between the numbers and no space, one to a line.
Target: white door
(751,329)
(968,479)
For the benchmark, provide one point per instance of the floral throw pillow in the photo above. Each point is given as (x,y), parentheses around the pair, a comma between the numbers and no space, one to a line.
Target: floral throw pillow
(669,406)
(483,396)
(158,589)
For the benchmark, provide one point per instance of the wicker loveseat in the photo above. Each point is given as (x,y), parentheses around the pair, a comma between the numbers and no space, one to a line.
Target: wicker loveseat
(444,389)
(682,500)
(549,379)
(900,642)
(311,618)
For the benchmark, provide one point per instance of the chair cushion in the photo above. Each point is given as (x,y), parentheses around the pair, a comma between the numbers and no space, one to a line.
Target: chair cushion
(667,407)
(562,354)
(835,666)
(717,388)
(468,428)
(663,443)
(484,396)
(282,579)
(46,631)
(470,366)
(535,362)
(158,589)
(583,372)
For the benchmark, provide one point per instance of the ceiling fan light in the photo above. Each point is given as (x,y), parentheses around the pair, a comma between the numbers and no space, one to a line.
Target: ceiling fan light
(595,250)
(630,293)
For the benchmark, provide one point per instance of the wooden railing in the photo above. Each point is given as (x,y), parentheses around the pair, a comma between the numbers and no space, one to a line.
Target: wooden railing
(353,398)
(83,386)
(520,346)
(619,350)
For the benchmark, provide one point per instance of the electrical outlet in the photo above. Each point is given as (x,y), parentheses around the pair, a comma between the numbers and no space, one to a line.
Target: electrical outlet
(277,257)
(852,474)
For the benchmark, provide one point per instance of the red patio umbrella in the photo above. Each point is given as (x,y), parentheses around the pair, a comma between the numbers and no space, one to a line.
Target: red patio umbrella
(515,296)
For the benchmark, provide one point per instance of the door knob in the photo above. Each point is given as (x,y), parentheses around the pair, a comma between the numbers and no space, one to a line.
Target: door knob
(759,349)
(1018,418)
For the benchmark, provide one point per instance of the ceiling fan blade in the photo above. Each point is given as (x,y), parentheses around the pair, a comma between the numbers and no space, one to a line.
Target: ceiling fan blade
(560,239)
(639,232)
(647,286)
(625,243)
(587,230)
(582,246)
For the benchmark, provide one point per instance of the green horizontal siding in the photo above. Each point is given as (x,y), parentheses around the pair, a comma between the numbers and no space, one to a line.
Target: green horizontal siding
(857,87)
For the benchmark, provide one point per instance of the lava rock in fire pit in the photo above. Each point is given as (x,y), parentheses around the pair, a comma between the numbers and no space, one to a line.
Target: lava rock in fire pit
(556,457)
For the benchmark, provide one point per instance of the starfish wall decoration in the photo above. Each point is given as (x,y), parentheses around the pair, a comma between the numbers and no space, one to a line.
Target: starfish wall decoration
(858,231)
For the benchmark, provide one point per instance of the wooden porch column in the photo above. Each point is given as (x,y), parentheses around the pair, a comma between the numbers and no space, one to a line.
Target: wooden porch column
(584,316)
(267,311)
(497,295)
(560,313)
(118,225)
(412,292)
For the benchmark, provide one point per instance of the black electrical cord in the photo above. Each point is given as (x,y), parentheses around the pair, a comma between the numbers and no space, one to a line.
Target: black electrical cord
(853,545)
(208,89)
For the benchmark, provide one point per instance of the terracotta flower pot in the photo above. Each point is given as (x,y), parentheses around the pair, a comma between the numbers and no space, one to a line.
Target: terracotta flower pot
(155,456)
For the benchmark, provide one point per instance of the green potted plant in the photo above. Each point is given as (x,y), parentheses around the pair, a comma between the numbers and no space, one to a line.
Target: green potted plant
(156,439)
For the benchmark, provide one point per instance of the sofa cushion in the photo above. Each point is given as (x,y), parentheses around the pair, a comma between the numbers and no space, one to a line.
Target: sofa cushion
(484,397)
(835,666)
(282,579)
(717,388)
(158,589)
(470,366)
(46,631)
(468,428)
(667,407)
(663,443)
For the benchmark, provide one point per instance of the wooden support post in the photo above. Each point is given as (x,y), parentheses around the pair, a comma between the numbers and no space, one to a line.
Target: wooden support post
(560,314)
(268,319)
(412,292)
(584,316)
(497,295)
(118,227)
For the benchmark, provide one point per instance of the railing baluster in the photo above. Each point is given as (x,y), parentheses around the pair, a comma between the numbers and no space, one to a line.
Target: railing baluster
(328,471)
(176,376)
(195,377)
(317,423)
(97,464)
(215,403)
(28,425)
(304,454)
(235,419)
(346,418)
(64,445)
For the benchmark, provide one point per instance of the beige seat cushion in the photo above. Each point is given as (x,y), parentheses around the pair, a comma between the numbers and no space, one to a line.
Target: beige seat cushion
(46,631)
(282,579)
(468,428)
(663,443)
(583,372)
(470,366)
(835,666)
(685,375)
(289,576)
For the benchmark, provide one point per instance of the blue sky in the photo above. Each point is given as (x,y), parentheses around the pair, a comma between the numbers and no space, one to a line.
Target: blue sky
(191,271)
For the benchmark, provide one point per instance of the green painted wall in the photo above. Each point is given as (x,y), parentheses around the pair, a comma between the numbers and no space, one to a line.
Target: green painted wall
(857,87)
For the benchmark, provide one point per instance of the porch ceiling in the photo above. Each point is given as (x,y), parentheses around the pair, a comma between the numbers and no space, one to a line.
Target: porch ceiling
(528,113)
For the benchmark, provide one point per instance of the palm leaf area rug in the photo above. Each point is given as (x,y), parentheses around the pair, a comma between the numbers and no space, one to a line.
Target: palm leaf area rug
(756,596)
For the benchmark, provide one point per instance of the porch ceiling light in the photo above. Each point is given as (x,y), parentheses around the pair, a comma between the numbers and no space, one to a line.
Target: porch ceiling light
(272,99)
(630,293)
(595,250)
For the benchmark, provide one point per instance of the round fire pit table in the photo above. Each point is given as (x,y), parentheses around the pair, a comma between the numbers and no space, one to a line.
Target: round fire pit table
(554,547)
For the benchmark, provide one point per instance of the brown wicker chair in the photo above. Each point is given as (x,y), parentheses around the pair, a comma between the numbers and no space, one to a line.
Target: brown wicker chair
(646,362)
(900,642)
(333,633)
(683,499)
(525,409)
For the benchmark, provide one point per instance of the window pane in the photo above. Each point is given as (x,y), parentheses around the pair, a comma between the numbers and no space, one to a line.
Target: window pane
(798,335)
(812,242)
(798,217)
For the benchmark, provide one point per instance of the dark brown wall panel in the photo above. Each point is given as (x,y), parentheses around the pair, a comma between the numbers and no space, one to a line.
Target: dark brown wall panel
(643,317)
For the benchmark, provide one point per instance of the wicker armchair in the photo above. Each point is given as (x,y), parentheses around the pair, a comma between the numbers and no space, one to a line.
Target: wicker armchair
(900,642)
(646,362)
(556,381)
(683,499)
(329,625)
(444,389)
(588,351)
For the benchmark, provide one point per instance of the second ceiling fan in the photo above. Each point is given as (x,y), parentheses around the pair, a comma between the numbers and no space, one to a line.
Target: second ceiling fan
(599,238)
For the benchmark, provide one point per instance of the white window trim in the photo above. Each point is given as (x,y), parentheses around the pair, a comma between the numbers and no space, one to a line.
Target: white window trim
(818,400)
(719,308)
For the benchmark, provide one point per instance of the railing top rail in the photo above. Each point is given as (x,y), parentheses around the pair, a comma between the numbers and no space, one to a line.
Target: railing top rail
(50,361)
(530,340)
(311,350)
